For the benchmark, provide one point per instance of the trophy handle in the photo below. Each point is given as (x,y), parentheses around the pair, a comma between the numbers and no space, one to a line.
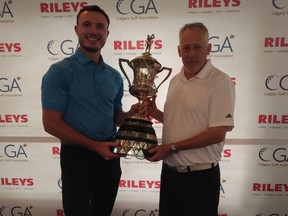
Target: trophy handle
(169,73)
(122,69)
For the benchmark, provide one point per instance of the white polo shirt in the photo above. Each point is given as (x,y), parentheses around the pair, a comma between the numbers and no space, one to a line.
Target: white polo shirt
(192,106)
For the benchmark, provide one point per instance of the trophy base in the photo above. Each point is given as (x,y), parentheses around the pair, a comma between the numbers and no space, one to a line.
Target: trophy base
(136,137)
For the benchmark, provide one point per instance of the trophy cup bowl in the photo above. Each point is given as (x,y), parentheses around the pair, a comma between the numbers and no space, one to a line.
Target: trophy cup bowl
(136,135)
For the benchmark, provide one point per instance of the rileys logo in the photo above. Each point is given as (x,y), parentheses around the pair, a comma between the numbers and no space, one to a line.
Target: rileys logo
(16,182)
(56,150)
(60,212)
(136,45)
(64,7)
(13,118)
(272,119)
(276,42)
(10,47)
(139,184)
(139,7)
(227,153)
(267,187)
(213,3)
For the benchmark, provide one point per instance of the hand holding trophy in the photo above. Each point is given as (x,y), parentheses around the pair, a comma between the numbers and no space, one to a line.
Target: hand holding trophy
(136,136)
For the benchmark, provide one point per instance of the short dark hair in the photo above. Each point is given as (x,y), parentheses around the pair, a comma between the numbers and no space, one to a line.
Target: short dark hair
(94,8)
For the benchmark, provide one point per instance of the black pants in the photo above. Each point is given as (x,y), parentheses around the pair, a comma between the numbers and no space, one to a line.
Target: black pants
(89,183)
(189,194)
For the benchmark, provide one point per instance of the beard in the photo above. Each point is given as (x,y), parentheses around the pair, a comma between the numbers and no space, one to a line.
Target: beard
(91,49)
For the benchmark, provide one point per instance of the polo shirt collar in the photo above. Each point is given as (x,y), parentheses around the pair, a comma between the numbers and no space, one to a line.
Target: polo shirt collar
(83,59)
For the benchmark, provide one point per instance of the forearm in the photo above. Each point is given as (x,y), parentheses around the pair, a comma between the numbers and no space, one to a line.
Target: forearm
(65,133)
(157,114)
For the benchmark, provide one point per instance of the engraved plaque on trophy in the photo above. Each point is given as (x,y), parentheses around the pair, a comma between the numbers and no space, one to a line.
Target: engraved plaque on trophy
(136,135)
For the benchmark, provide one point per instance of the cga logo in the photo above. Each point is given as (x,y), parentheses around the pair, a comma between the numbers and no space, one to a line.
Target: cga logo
(274,82)
(219,44)
(279,155)
(139,212)
(13,151)
(279,4)
(273,214)
(5,10)
(60,183)
(124,7)
(16,210)
(65,47)
(7,85)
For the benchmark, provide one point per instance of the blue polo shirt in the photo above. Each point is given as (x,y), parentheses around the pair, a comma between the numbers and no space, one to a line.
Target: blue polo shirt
(87,93)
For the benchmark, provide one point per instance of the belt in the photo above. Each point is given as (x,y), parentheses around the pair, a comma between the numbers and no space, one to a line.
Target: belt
(192,168)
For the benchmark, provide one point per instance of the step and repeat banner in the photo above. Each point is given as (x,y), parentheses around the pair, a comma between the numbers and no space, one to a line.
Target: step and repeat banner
(249,42)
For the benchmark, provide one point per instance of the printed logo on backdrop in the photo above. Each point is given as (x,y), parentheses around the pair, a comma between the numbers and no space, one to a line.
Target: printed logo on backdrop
(16,210)
(136,47)
(135,10)
(56,152)
(222,188)
(10,153)
(276,44)
(226,155)
(276,85)
(60,212)
(144,212)
(279,8)
(10,87)
(272,214)
(14,121)
(273,157)
(60,49)
(268,189)
(207,7)
(273,121)
(16,184)
(221,46)
(10,50)
(60,10)
(6,12)
(59,183)
(140,186)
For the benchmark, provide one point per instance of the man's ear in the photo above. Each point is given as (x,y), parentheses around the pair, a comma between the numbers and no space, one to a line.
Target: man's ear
(179,53)
(209,47)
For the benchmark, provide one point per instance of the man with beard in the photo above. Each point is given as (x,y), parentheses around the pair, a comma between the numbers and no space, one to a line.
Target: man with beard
(81,101)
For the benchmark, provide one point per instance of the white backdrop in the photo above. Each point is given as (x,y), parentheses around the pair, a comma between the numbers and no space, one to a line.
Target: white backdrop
(249,42)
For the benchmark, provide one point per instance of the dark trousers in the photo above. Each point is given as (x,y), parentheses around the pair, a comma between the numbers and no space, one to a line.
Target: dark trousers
(189,194)
(89,183)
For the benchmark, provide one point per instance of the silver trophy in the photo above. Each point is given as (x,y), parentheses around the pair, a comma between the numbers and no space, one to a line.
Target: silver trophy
(137,136)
